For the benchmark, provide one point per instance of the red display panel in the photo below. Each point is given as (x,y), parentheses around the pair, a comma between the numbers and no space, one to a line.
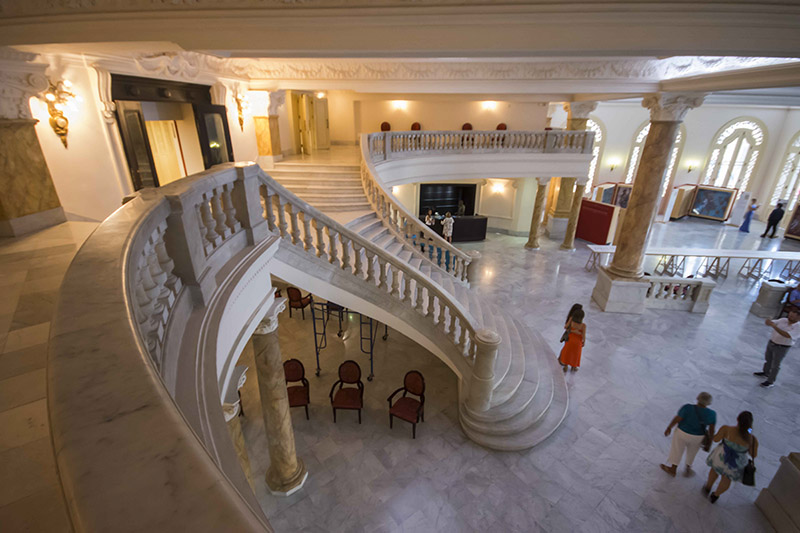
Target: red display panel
(594,222)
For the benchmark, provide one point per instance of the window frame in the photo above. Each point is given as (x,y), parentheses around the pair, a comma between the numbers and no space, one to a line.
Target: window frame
(720,142)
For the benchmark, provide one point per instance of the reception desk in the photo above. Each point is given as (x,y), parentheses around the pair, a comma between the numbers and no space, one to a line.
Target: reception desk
(466,228)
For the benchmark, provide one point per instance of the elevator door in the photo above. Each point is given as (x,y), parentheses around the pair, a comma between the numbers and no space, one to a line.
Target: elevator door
(136,144)
(215,137)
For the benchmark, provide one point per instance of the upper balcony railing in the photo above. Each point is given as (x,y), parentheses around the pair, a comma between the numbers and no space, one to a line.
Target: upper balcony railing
(389,145)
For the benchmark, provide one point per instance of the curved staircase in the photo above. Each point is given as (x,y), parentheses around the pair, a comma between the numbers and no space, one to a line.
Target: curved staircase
(529,398)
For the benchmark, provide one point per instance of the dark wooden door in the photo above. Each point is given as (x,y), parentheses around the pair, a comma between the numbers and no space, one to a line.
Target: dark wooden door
(136,144)
(215,137)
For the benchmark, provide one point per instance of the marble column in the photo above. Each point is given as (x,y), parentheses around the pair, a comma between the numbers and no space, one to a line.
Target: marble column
(666,113)
(286,473)
(536,219)
(560,208)
(572,223)
(231,413)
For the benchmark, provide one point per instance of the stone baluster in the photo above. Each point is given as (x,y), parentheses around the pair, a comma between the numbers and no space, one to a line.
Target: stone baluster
(210,234)
(345,252)
(219,214)
(230,210)
(454,327)
(359,262)
(282,225)
(269,208)
(407,293)
(487,343)
(287,473)
(382,272)
(333,256)
(370,266)
(295,224)
(308,238)
(319,227)
(395,280)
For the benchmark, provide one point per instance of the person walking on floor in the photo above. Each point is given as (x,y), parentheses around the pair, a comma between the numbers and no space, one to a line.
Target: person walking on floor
(694,422)
(576,330)
(729,458)
(785,331)
(447,227)
(748,216)
(773,220)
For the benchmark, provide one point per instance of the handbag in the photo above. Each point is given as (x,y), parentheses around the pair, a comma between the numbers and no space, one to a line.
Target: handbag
(706,444)
(567,328)
(749,474)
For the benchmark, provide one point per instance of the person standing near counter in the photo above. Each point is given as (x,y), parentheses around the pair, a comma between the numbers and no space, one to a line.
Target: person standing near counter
(447,227)
(462,209)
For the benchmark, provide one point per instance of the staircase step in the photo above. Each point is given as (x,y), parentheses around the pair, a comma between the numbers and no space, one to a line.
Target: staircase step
(291,167)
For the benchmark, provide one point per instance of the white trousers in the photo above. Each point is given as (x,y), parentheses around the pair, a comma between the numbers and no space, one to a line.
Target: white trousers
(683,441)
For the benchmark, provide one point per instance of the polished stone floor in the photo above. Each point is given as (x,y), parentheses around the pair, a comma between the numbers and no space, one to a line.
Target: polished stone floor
(31,270)
(599,471)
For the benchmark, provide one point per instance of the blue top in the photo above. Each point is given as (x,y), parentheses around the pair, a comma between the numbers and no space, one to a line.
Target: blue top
(690,423)
(794,295)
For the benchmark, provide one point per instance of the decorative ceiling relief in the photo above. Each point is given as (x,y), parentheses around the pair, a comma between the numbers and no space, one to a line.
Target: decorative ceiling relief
(19,80)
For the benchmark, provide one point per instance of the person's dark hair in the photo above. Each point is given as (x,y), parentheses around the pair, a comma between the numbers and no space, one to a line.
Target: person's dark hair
(780,205)
(572,310)
(430,211)
(578,315)
(744,422)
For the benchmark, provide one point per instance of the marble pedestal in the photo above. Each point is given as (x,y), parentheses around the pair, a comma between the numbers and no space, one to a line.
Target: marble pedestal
(768,303)
(615,294)
(556,227)
(779,500)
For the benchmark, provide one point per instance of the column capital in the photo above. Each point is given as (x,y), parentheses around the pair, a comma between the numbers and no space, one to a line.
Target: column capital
(671,107)
(270,321)
(579,110)
(276,99)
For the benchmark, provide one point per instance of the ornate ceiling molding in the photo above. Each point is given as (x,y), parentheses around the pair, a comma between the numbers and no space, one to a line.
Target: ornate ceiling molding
(19,80)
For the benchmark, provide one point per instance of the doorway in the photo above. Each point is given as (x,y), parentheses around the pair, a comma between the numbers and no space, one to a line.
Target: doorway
(169,130)
(310,122)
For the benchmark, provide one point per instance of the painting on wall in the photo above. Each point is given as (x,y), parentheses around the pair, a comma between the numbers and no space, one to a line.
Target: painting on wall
(712,202)
(622,194)
(793,227)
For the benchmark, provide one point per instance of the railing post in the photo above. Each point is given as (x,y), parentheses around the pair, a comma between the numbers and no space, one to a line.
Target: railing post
(246,199)
(472,268)
(482,379)
(387,145)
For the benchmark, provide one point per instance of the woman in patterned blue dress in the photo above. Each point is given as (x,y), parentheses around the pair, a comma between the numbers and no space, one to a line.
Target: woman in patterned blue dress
(729,458)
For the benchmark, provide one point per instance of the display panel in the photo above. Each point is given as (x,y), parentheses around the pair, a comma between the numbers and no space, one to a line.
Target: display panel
(793,227)
(712,202)
(622,194)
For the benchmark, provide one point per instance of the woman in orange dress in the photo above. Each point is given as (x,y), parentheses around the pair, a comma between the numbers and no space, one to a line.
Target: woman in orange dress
(571,352)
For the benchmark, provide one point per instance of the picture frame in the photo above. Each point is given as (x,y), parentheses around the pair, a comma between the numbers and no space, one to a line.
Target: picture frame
(604,193)
(713,203)
(622,193)
(793,227)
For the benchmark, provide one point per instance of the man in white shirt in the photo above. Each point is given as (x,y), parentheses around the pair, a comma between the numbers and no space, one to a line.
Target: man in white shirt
(785,331)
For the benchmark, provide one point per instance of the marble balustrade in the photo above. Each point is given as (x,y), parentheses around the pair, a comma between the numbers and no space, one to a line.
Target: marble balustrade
(683,294)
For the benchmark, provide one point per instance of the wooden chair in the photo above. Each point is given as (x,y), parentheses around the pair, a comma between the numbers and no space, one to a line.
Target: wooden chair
(348,397)
(299,395)
(466,126)
(385,126)
(416,126)
(406,408)
(502,126)
(298,301)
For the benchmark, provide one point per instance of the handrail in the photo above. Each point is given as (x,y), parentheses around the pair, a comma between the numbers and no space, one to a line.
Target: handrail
(414,232)
(307,228)
(390,145)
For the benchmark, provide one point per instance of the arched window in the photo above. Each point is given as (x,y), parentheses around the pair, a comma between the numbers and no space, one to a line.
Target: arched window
(596,126)
(636,154)
(734,154)
(788,186)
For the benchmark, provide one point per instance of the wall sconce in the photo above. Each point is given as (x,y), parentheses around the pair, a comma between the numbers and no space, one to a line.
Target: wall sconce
(400,105)
(242,105)
(489,105)
(691,165)
(498,187)
(320,95)
(57,97)
(395,189)
(613,163)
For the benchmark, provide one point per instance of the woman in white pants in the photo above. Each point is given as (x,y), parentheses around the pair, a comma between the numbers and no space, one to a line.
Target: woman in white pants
(693,422)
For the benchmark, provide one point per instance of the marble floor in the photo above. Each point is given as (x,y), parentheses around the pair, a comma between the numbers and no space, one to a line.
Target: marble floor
(599,471)
(31,270)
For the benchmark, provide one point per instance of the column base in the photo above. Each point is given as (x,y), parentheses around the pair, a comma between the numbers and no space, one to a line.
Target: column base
(769,301)
(556,227)
(616,294)
(290,486)
(16,227)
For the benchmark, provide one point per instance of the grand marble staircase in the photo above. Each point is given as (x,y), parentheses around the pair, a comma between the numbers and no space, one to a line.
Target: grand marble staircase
(529,397)
(331,187)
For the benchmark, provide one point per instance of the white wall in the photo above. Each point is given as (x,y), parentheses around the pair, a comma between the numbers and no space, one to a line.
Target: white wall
(86,177)
(443,114)
(622,121)
(245,145)
(342,117)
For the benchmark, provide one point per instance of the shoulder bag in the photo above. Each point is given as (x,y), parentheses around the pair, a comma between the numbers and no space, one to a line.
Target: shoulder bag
(706,444)
(749,474)
(565,336)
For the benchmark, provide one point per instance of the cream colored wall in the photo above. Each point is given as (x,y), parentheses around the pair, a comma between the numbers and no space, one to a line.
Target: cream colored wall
(437,113)
(622,121)
(89,181)
(245,146)
(408,195)
(342,117)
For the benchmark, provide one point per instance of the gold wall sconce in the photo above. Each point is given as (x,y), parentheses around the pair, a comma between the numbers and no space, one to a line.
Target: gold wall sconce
(614,162)
(691,165)
(57,96)
(242,105)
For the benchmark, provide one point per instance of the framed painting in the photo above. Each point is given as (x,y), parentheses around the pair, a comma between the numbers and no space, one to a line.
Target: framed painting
(793,227)
(714,203)
(604,193)
(622,194)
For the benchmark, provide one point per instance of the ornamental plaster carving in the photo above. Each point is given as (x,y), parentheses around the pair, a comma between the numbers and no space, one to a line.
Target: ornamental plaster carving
(580,110)
(16,88)
(671,107)
(270,321)
(219,93)
(190,65)
(104,93)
